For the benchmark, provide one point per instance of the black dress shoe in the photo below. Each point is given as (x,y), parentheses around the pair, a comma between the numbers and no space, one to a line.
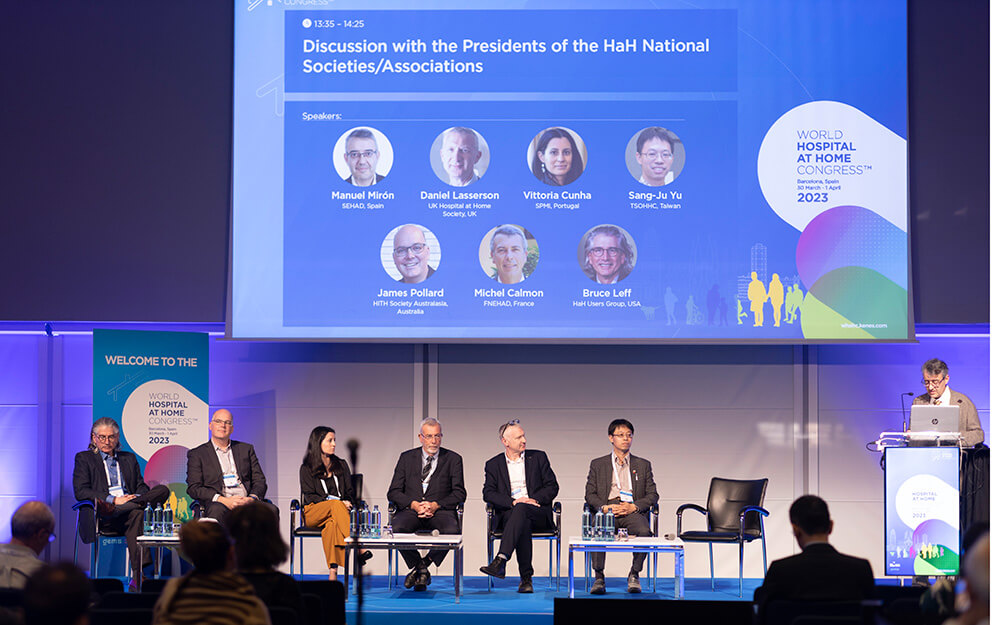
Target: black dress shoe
(423,579)
(599,587)
(411,578)
(365,556)
(525,585)
(633,583)
(497,568)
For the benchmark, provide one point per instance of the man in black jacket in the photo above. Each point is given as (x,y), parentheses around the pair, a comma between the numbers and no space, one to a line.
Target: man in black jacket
(820,572)
(223,473)
(427,486)
(111,478)
(521,486)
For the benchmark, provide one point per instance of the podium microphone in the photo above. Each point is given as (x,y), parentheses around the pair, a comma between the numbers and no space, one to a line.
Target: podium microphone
(352,450)
(902,408)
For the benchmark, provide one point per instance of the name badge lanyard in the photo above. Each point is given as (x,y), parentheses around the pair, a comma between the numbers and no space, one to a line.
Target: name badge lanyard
(326,489)
(115,491)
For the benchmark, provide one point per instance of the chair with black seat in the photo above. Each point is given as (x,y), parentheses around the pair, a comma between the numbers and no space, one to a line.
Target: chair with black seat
(394,561)
(90,532)
(128,600)
(331,596)
(154,585)
(281,615)
(785,612)
(734,514)
(299,529)
(104,585)
(552,536)
(654,526)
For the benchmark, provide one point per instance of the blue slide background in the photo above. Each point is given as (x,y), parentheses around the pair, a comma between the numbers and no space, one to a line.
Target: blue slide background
(304,267)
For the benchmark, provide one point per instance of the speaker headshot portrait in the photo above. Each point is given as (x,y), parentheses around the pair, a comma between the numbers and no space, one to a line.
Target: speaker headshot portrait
(655,156)
(410,253)
(508,254)
(460,156)
(607,254)
(362,156)
(557,156)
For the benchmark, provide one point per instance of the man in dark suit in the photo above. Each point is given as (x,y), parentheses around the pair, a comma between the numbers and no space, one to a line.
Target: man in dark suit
(820,572)
(111,478)
(621,484)
(521,486)
(223,473)
(361,156)
(427,486)
(938,393)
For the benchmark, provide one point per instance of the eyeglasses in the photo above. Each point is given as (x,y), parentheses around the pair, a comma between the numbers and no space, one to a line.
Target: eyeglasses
(431,437)
(612,252)
(221,422)
(355,154)
(416,248)
(503,428)
(933,383)
(105,438)
(664,155)
(625,435)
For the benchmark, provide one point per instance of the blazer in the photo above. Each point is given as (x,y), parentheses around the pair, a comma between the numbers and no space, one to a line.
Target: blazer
(204,471)
(446,486)
(312,490)
(378,178)
(968,416)
(819,573)
(91,482)
(599,481)
(538,476)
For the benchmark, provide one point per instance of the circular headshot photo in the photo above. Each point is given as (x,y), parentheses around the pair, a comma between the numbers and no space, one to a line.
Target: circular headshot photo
(460,156)
(557,156)
(410,253)
(508,254)
(654,156)
(362,156)
(606,254)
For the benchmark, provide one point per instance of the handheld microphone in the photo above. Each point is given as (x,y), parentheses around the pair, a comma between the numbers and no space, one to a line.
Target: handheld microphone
(902,408)
(423,532)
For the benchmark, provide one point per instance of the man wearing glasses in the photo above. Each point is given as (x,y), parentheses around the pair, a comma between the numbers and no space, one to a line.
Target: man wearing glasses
(608,256)
(935,380)
(31,530)
(654,151)
(521,486)
(111,478)
(623,485)
(223,473)
(427,486)
(410,252)
(361,156)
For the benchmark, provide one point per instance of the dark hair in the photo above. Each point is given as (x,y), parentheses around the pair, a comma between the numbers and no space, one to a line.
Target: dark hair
(206,544)
(811,514)
(56,595)
(575,168)
(313,459)
(935,366)
(619,422)
(361,133)
(258,542)
(653,132)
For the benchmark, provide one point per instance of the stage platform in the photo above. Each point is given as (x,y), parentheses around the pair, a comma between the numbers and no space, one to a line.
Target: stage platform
(437,604)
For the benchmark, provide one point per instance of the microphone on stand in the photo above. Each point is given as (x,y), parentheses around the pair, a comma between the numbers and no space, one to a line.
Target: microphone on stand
(902,408)
(352,450)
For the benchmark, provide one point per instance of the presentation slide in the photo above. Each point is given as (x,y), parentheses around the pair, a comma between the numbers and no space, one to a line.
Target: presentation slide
(569,171)
(921,511)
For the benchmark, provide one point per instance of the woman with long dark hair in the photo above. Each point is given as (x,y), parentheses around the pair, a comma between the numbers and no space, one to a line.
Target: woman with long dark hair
(327,494)
(557,160)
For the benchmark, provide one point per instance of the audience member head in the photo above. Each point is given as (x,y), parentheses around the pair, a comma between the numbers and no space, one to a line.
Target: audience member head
(57,595)
(207,546)
(810,519)
(256,538)
(33,525)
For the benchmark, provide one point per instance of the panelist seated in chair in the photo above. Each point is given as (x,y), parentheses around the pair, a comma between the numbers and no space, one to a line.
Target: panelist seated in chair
(428,484)
(223,473)
(112,479)
(623,485)
(521,486)
(327,494)
(820,572)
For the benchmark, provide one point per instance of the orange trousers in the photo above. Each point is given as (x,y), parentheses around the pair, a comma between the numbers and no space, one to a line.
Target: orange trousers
(332,517)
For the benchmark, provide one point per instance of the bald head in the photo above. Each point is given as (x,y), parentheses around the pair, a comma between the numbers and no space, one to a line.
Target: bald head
(221,426)
(32,524)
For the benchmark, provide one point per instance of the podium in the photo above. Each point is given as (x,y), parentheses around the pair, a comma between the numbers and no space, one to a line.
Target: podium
(922,505)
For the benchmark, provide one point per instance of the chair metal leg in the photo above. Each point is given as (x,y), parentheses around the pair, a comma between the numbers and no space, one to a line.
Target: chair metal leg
(741,569)
(550,564)
(76,541)
(558,562)
(711,565)
(489,558)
